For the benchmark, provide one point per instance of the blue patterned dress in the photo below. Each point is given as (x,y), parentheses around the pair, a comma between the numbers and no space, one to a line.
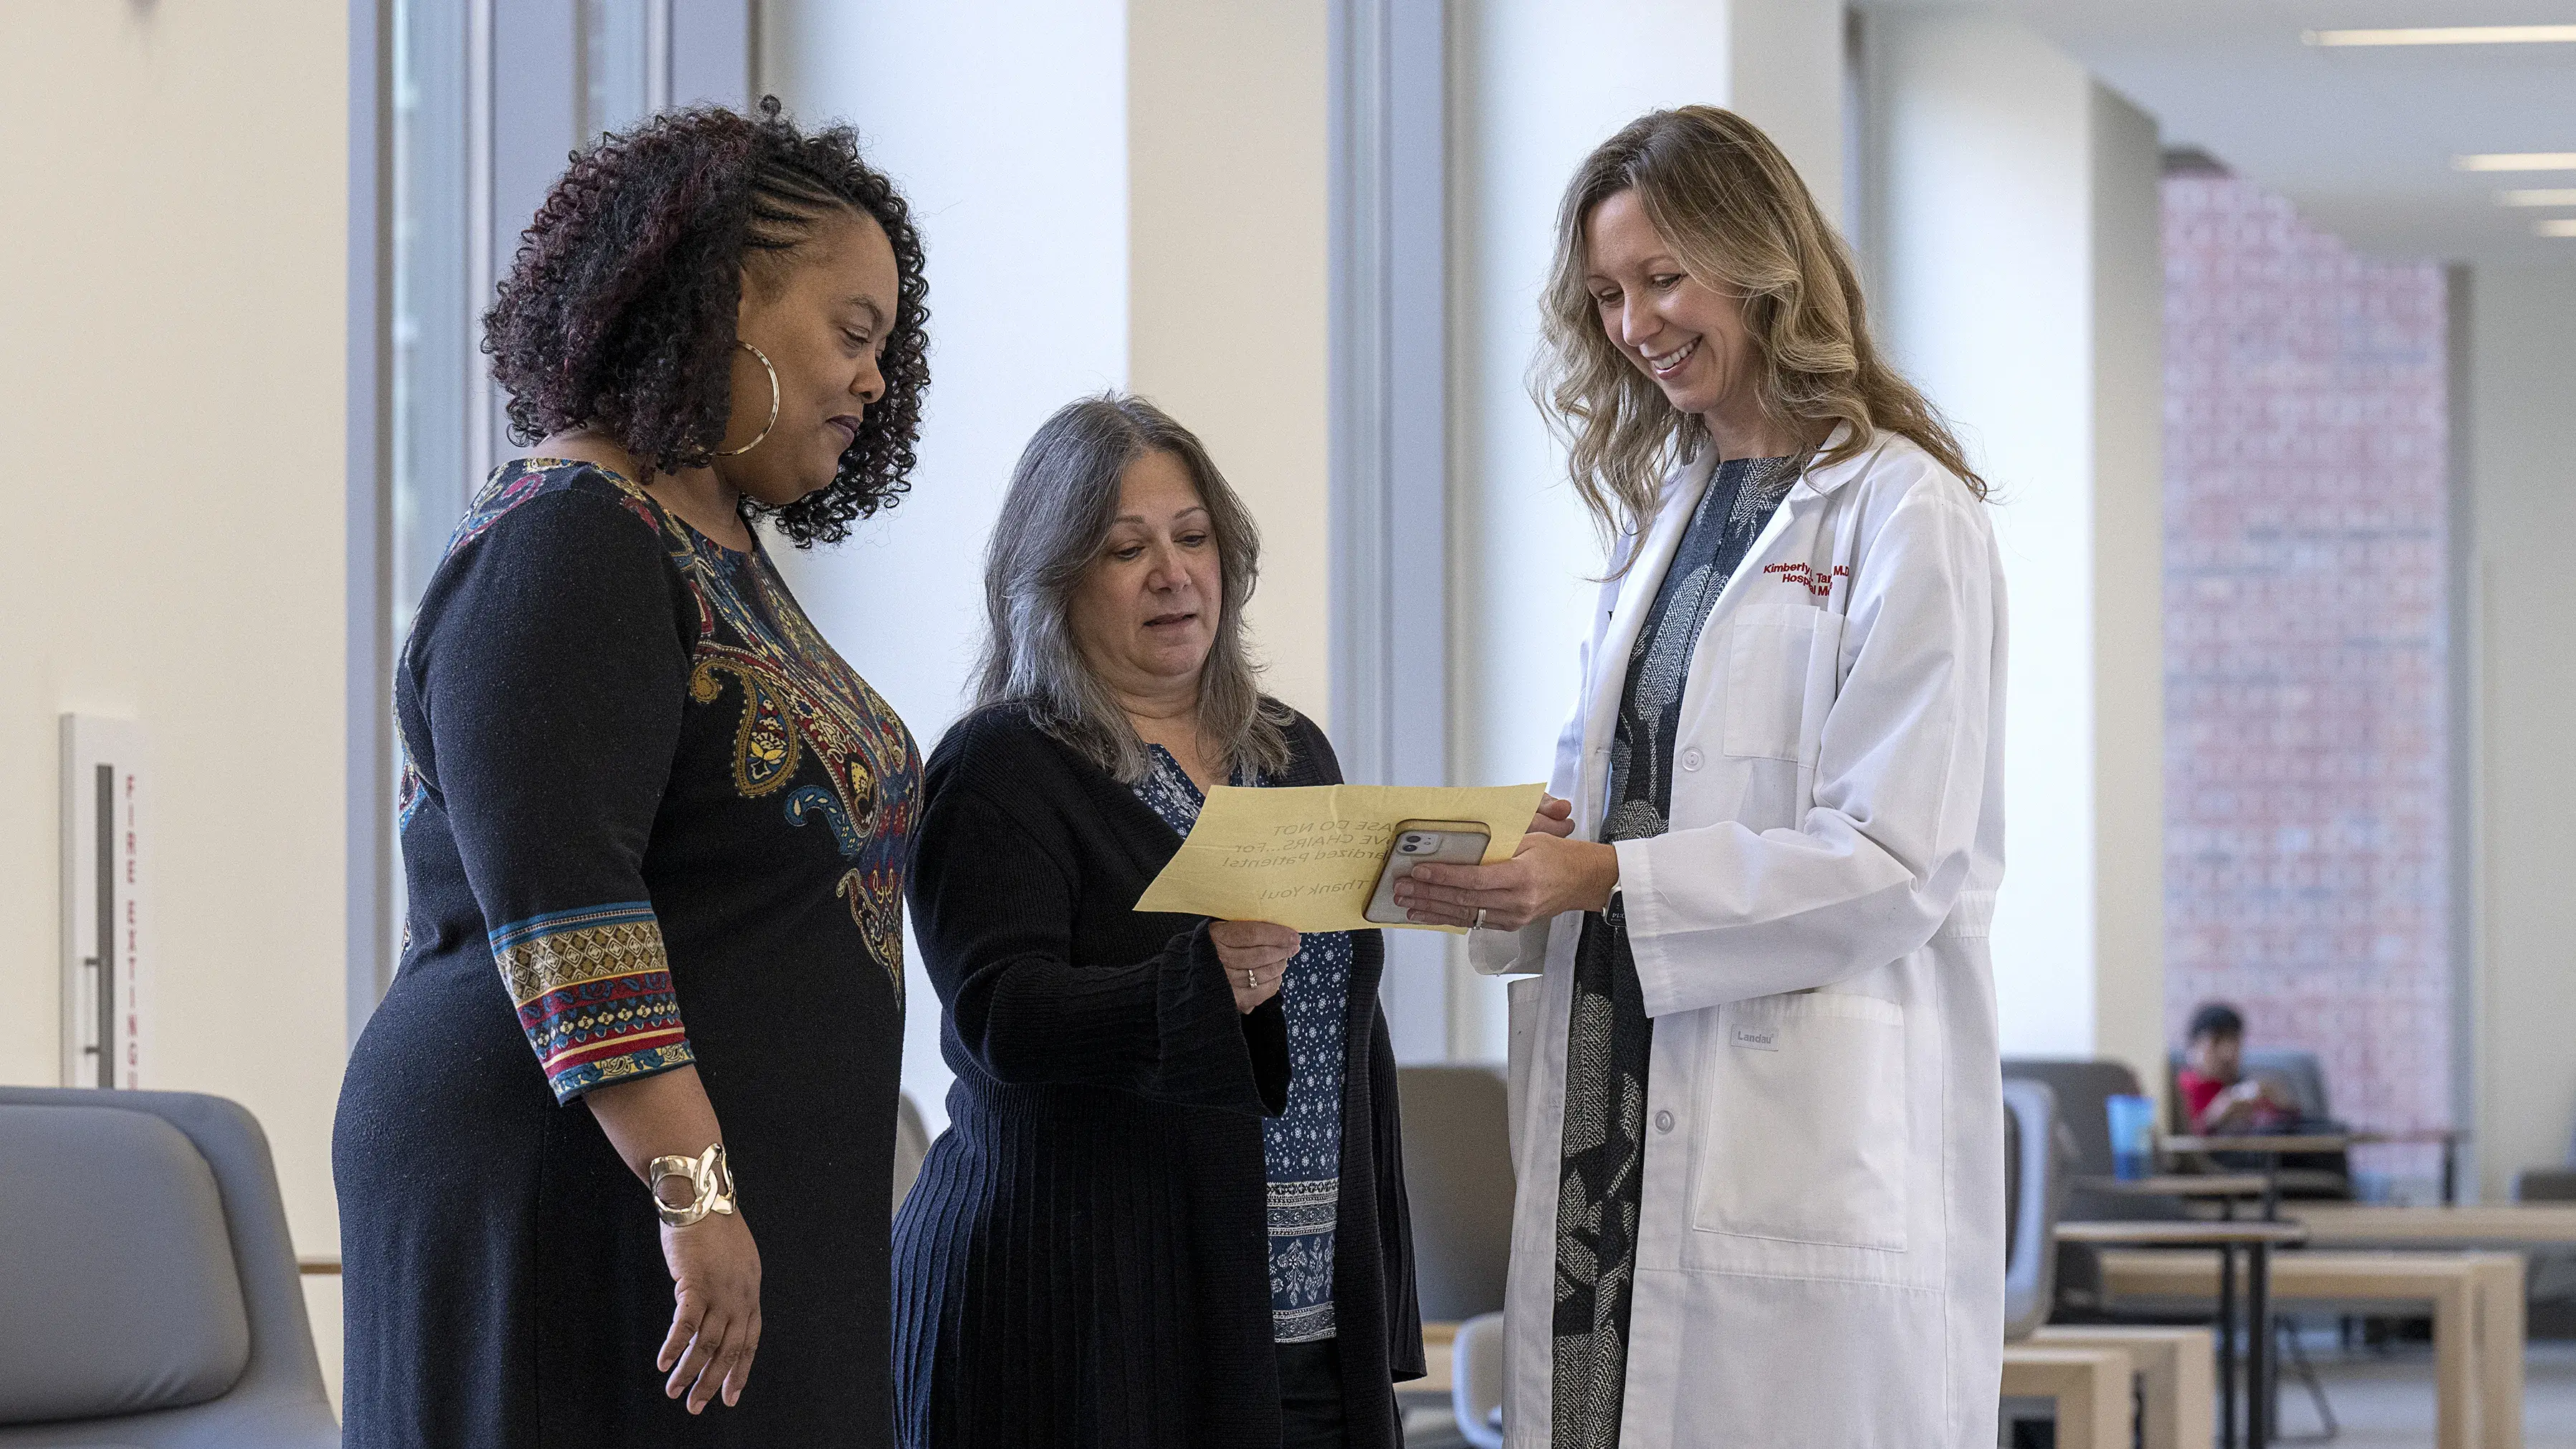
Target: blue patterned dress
(1301,1147)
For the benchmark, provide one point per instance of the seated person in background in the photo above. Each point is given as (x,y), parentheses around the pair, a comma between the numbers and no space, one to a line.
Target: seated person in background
(2216,1093)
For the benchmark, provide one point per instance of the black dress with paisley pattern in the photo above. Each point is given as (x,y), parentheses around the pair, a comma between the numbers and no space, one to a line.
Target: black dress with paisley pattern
(649,819)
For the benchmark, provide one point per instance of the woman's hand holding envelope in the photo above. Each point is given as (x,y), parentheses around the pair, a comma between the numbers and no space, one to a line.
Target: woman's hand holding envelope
(1255,955)
(1550,874)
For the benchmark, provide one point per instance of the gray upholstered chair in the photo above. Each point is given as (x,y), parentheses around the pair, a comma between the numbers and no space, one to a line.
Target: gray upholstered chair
(1476,1380)
(1458,1180)
(911,1145)
(2547,1184)
(148,1294)
(2302,1071)
(2553,1270)
(2083,1090)
(2035,1159)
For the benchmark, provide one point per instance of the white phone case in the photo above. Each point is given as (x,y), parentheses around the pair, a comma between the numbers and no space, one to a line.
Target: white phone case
(1439,842)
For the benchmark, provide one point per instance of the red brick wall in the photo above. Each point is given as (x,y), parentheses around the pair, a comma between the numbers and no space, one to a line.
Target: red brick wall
(2306,825)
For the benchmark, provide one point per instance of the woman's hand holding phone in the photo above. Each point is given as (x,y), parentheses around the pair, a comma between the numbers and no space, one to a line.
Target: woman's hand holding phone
(1555,817)
(1550,874)
(1255,955)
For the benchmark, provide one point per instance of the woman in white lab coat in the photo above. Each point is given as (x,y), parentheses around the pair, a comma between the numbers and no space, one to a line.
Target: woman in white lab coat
(1757,1111)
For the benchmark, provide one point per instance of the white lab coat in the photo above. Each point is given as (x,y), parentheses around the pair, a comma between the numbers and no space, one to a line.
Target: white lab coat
(1820,1260)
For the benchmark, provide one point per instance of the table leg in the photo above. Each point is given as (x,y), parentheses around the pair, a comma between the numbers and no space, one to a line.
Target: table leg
(2455,1366)
(2258,1346)
(2227,1347)
(2496,1306)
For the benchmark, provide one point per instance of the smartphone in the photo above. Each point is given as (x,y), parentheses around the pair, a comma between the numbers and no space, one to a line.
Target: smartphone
(1439,842)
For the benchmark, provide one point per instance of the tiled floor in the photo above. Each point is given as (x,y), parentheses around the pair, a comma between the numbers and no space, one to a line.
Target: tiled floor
(2383,1400)
(2386,1401)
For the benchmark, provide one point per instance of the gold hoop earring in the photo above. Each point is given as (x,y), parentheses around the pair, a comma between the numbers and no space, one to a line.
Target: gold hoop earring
(773,402)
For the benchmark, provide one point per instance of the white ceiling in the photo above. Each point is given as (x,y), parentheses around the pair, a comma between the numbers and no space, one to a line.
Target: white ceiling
(2361,139)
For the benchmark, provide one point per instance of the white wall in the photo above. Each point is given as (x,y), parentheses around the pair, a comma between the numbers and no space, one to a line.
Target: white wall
(1126,195)
(1538,84)
(172,339)
(1785,73)
(2128,589)
(1228,278)
(1018,181)
(2012,228)
(2522,619)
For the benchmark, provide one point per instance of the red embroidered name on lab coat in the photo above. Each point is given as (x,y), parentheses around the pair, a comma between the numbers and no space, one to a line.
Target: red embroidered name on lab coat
(1819,584)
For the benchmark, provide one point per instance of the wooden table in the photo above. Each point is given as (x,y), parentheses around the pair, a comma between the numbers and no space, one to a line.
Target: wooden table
(2270,1147)
(2344,1224)
(2258,1240)
(2272,1143)
(2226,1187)
(2177,1396)
(2089,1384)
(2476,1303)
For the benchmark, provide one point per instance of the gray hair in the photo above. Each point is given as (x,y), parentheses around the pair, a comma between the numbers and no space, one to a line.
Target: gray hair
(1055,521)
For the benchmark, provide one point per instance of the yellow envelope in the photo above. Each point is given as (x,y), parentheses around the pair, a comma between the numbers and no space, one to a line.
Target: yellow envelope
(1307,856)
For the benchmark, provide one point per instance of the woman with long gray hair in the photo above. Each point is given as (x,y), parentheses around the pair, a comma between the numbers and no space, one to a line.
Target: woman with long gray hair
(1169,1209)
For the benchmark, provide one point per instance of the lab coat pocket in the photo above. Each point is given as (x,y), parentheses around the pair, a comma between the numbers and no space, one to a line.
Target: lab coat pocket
(1803,1117)
(1521,1005)
(1769,669)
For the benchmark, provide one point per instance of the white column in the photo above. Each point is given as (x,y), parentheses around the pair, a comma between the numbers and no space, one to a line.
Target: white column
(1539,84)
(1227,284)
(2516,612)
(1006,126)
(2012,244)
(1128,194)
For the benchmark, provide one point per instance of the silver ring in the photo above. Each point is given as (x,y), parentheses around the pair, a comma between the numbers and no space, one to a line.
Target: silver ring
(1250,982)
(1480,920)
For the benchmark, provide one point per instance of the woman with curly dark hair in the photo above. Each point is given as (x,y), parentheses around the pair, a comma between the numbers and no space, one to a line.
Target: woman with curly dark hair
(654,831)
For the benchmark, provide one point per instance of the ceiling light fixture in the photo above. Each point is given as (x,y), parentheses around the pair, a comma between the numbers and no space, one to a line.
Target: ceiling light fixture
(2446,35)
(2565,226)
(2539,196)
(2518,161)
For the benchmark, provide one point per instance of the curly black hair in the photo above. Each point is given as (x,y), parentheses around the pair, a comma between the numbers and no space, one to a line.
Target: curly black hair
(619,309)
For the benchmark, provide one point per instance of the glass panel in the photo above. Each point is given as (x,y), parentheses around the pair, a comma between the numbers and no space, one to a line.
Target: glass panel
(625,58)
(436,364)
(2307,806)
(443,424)
(439,373)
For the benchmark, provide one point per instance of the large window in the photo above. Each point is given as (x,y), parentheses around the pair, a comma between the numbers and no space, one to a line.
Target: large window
(487,101)
(481,101)
(436,368)
(2307,811)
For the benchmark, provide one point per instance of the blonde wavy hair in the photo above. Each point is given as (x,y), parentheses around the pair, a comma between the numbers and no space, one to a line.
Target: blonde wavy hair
(1741,222)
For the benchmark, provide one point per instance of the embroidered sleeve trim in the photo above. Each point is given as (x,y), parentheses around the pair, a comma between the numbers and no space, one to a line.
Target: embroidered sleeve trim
(593,991)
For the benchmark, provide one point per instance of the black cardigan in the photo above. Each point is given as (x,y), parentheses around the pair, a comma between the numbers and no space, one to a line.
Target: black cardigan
(1085,1258)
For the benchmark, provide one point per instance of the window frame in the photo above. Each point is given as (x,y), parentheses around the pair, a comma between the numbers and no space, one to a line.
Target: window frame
(526,82)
